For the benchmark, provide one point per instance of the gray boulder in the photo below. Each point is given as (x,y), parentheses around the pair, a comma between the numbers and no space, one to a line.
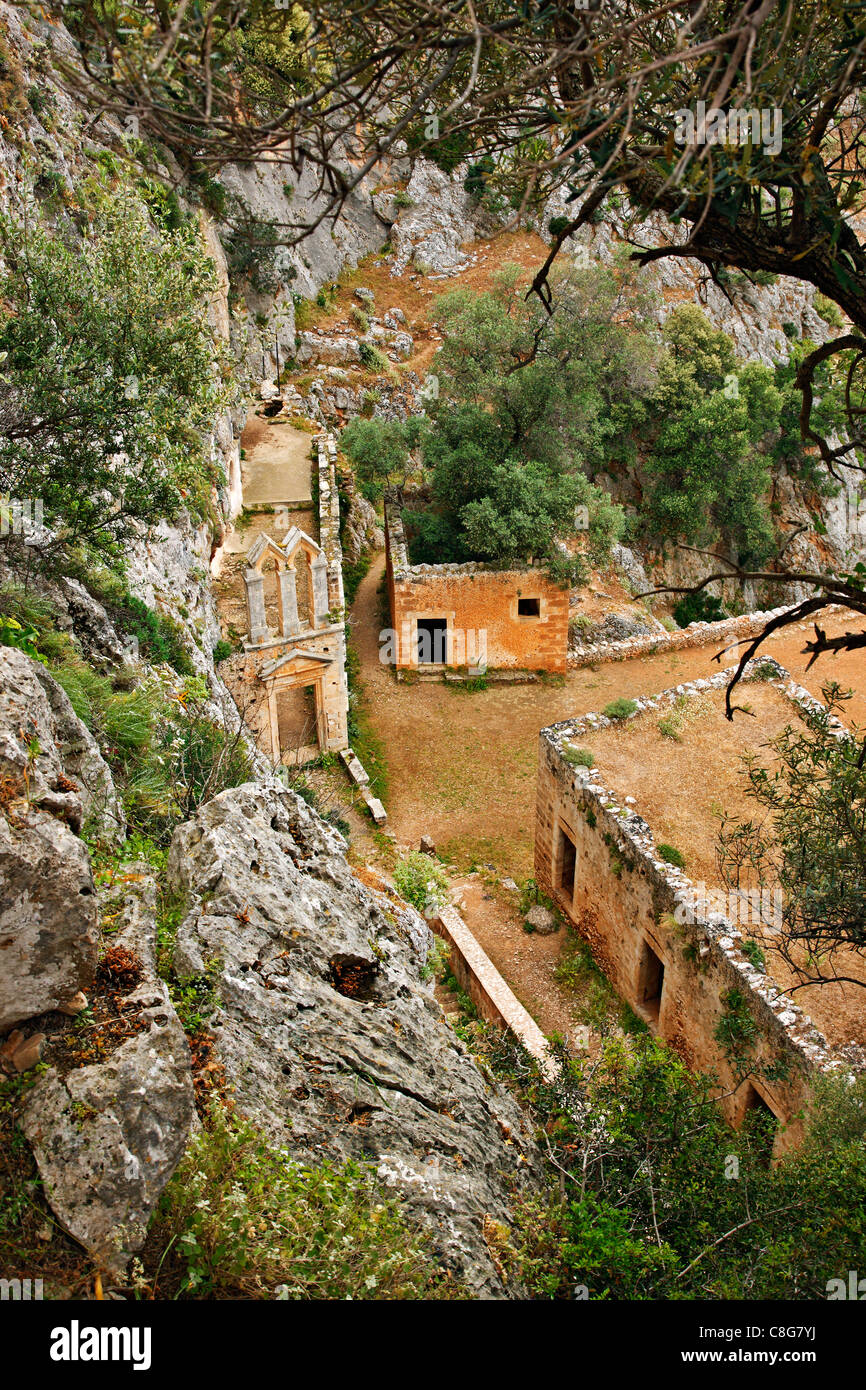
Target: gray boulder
(542,920)
(313,348)
(329,1034)
(53,778)
(107,1137)
(45,745)
(49,931)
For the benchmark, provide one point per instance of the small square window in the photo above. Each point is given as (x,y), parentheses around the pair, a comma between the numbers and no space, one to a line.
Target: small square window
(528,607)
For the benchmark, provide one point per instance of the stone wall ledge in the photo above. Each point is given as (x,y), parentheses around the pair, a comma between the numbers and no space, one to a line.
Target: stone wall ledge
(495,1001)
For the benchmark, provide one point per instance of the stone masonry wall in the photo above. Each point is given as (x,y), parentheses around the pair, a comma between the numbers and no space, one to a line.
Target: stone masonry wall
(475,599)
(625,898)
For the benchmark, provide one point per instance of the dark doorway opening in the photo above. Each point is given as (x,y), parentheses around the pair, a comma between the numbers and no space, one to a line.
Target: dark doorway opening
(761,1124)
(651,981)
(528,607)
(432,641)
(567,864)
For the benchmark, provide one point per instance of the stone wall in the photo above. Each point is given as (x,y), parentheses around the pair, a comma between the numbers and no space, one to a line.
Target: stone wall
(480,605)
(695,635)
(495,1001)
(637,911)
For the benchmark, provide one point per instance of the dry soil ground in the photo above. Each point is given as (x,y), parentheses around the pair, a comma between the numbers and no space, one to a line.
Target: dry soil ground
(461,768)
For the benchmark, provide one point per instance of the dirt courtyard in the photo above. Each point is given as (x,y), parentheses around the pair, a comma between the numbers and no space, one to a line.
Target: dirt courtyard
(462,763)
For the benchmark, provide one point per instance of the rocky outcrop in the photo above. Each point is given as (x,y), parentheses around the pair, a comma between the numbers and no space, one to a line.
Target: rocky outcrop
(52,779)
(361,528)
(108,1136)
(432,229)
(44,744)
(329,1035)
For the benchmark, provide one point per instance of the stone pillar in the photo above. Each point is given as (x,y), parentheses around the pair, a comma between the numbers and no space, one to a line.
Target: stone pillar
(289,602)
(255,586)
(319,575)
(274,724)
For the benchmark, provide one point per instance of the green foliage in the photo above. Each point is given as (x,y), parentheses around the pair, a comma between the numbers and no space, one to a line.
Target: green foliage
(621,708)
(736,1031)
(359,318)
(671,855)
(247,1220)
(789,449)
(374,359)
(159,636)
(753,953)
(557,225)
(577,969)
(447,151)
(470,685)
(829,311)
(252,248)
(671,726)
(213,194)
(380,451)
(652,1195)
(511,452)
(701,607)
(167,753)
(578,757)
(809,838)
(707,450)
(363,735)
(112,376)
(353,574)
(222,650)
(12,634)
(421,881)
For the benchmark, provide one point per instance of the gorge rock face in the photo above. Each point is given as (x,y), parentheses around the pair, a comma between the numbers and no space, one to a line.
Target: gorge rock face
(432,230)
(329,1035)
(52,777)
(107,1137)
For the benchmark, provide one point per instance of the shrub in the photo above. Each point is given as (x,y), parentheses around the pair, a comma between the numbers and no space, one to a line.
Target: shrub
(557,225)
(421,881)
(830,312)
(621,708)
(110,325)
(699,608)
(578,757)
(247,1220)
(671,726)
(12,634)
(222,651)
(373,358)
(765,671)
(252,248)
(353,574)
(671,855)
(753,953)
(159,636)
(359,318)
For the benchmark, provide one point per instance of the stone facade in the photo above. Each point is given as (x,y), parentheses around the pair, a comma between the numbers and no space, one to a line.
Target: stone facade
(310,648)
(478,609)
(667,952)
